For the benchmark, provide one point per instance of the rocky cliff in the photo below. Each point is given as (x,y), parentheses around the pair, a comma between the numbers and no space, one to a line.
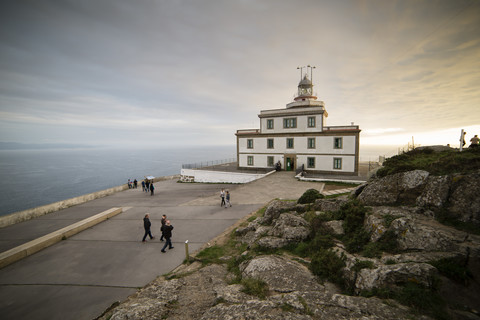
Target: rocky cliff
(399,247)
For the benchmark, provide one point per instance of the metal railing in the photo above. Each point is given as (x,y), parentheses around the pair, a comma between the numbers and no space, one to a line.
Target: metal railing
(202,164)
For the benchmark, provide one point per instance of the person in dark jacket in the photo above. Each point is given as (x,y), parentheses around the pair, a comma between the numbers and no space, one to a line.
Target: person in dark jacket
(164,220)
(146,225)
(151,189)
(167,233)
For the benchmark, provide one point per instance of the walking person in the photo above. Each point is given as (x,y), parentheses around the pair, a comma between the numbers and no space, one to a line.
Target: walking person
(222,195)
(147,184)
(151,189)
(146,225)
(164,220)
(135,182)
(143,185)
(227,196)
(167,233)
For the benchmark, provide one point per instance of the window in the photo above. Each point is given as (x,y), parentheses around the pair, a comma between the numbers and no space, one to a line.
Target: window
(269,143)
(311,143)
(269,123)
(311,122)
(250,144)
(270,161)
(337,143)
(289,143)
(250,160)
(310,162)
(337,163)
(290,122)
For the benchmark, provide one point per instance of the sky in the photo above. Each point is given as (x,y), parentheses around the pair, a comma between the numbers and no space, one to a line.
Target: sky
(182,73)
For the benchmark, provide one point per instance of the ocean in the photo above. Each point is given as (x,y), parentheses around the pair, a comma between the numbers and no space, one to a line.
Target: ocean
(32,178)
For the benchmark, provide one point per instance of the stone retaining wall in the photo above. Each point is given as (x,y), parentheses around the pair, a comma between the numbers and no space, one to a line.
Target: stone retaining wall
(28,214)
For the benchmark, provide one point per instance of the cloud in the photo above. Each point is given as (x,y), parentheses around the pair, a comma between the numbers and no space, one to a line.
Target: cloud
(195,72)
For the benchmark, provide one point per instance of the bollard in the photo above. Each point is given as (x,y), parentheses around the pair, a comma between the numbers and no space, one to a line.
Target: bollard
(186,252)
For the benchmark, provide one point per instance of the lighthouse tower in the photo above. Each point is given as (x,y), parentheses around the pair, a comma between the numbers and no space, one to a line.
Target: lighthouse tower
(305,87)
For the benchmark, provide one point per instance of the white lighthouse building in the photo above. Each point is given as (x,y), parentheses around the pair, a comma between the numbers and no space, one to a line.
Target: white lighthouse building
(297,137)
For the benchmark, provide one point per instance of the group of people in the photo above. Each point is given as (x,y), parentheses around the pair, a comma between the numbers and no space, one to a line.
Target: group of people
(474,142)
(132,184)
(147,185)
(165,229)
(225,196)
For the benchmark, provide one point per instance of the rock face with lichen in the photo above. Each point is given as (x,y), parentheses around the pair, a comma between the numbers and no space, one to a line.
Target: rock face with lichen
(402,207)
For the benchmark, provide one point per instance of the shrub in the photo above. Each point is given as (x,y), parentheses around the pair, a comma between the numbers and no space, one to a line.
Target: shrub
(328,266)
(372,250)
(422,300)
(310,196)
(453,268)
(354,212)
(357,241)
(363,264)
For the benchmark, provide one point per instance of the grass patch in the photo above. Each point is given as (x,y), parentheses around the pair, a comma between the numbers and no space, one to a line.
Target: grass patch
(255,287)
(437,163)
(211,255)
(341,184)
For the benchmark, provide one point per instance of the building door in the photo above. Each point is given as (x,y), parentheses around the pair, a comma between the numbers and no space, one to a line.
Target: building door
(289,163)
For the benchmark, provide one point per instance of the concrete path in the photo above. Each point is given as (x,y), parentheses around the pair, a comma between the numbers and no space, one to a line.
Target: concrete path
(80,277)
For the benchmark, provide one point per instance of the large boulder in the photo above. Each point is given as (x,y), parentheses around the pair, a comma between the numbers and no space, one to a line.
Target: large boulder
(275,209)
(281,274)
(413,234)
(400,188)
(388,276)
(329,205)
(464,200)
(435,193)
(291,227)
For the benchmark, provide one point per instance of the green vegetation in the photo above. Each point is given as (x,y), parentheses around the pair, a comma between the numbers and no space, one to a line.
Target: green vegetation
(420,299)
(454,268)
(310,196)
(437,163)
(363,264)
(445,218)
(327,265)
(255,287)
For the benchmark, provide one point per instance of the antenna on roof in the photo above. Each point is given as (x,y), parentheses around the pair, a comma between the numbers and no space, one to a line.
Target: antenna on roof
(301,72)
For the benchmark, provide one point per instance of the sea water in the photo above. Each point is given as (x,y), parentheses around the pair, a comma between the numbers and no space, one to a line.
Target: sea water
(32,178)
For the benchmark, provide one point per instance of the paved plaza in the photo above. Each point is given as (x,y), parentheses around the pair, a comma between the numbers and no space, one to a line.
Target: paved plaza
(78,278)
